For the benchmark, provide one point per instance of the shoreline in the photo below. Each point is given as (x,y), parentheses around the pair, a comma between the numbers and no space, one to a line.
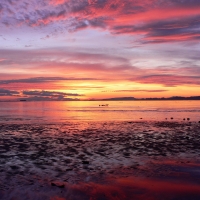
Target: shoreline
(30,121)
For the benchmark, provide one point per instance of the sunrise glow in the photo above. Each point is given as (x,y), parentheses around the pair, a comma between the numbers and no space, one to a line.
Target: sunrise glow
(94,49)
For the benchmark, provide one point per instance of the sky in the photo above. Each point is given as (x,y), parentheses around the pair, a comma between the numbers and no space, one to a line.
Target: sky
(95,49)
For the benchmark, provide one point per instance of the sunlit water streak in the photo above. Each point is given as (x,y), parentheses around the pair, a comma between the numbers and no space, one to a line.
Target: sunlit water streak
(91,111)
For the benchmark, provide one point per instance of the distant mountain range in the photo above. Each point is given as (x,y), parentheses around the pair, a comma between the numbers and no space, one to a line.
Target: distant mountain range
(148,99)
(174,98)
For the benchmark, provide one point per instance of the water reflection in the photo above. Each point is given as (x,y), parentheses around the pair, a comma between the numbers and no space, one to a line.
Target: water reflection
(91,111)
(112,187)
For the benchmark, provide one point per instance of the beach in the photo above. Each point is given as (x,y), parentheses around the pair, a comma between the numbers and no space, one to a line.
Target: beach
(99,100)
(100,160)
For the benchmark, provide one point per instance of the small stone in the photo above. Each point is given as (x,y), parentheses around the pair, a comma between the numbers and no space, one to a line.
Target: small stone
(172,118)
(188,119)
(184,119)
(69,169)
(126,154)
(85,162)
(14,167)
(61,186)
(58,185)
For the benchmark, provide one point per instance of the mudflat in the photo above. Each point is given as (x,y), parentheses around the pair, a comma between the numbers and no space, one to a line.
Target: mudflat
(100,160)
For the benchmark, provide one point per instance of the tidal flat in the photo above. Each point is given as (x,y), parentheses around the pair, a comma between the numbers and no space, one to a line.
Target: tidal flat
(127,160)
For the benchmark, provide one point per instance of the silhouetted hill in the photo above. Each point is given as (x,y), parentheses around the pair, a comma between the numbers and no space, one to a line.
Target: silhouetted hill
(148,99)
(172,98)
(119,99)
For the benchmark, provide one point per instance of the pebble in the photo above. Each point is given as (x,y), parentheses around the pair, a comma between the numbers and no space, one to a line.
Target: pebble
(85,162)
(58,185)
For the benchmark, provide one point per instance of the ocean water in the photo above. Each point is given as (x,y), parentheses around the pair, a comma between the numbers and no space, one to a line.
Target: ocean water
(80,150)
(60,111)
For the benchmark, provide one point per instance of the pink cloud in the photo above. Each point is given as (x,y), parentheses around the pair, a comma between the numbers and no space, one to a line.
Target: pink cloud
(119,17)
(57,2)
(80,67)
(168,80)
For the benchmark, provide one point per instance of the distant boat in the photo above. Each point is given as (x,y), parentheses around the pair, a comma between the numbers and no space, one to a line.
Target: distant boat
(104,105)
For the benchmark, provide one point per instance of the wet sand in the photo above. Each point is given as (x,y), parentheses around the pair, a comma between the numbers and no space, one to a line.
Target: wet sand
(100,161)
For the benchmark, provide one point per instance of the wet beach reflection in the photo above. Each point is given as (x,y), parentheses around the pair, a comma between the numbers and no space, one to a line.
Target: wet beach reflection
(100,160)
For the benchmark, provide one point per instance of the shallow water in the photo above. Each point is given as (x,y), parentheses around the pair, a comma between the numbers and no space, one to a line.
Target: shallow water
(83,151)
(31,112)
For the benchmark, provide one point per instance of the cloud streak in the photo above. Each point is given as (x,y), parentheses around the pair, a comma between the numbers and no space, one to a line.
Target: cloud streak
(42,80)
(4,92)
(169,80)
(134,90)
(37,95)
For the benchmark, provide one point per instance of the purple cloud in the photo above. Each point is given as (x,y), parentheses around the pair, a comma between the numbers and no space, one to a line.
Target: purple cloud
(5,92)
(42,80)
(176,18)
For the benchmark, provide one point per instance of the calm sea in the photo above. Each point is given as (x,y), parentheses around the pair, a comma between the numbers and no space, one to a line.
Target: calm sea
(48,112)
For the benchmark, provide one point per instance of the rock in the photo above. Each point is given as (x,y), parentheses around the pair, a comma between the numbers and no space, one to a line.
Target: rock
(14,167)
(69,169)
(188,119)
(85,162)
(126,154)
(172,118)
(58,185)
(184,119)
